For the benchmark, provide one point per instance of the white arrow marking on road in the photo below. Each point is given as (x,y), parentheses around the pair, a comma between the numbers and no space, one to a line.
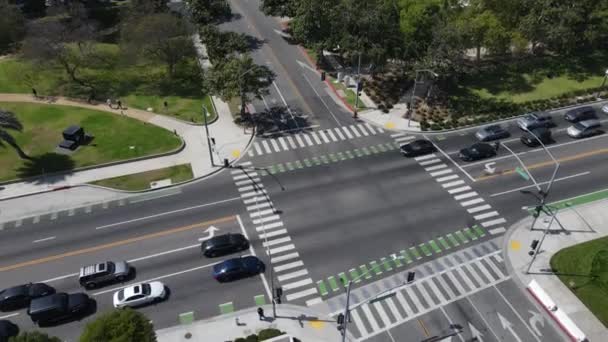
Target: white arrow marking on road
(536,318)
(508,326)
(489,167)
(475,333)
(211,231)
(306,66)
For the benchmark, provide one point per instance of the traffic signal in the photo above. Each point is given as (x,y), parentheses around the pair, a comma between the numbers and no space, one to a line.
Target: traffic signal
(340,319)
(359,86)
(323,75)
(537,210)
(278,294)
(534,244)
(410,276)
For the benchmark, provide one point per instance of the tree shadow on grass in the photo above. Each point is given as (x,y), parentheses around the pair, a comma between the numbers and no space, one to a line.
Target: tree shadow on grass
(45,164)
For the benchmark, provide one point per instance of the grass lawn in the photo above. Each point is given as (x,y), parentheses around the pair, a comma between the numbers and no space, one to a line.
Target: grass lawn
(142,84)
(141,181)
(351,96)
(116,138)
(584,270)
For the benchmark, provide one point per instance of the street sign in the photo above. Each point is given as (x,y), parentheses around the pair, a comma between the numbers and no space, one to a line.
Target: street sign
(522,173)
(383,297)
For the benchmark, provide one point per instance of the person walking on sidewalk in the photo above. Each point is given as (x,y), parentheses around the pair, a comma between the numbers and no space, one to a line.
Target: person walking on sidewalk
(35,93)
(119,103)
(261,314)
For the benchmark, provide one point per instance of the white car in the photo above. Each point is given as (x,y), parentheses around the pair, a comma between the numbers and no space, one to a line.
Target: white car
(605,109)
(140,294)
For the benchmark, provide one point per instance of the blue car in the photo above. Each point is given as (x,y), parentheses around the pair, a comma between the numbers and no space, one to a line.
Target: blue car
(238,268)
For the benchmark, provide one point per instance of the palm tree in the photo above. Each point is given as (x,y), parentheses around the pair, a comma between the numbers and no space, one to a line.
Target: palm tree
(8,120)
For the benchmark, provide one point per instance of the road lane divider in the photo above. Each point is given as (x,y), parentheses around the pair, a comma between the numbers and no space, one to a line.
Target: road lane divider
(115,244)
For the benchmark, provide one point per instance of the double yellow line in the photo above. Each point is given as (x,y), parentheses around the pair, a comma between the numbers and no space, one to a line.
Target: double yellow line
(116,243)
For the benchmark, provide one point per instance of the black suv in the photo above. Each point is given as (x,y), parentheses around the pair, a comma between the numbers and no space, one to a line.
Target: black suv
(224,244)
(59,307)
(580,114)
(18,297)
(96,275)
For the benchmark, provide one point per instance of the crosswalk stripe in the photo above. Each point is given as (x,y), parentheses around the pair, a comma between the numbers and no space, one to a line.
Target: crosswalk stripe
(414,298)
(292,275)
(250,187)
(393,308)
(479,208)
(297,284)
(370,317)
(460,271)
(267,227)
(339,133)
(291,142)
(347,132)
(247,181)
(425,157)
(442,172)
(436,291)
(308,140)
(382,313)
(257,199)
(281,249)
(316,138)
(289,266)
(485,271)
(253,193)
(436,167)
(304,293)
(300,141)
(452,183)
(429,162)
(459,189)
(285,257)
(446,178)
(370,127)
(250,153)
(494,267)
(493,222)
(324,137)
(261,213)
(258,206)
(314,301)
(363,130)
(276,241)
(380,129)
(445,286)
(358,322)
(486,215)
(258,150)
(266,146)
(425,295)
(355,132)
(404,304)
(275,145)
(237,171)
(331,135)
(400,134)
(471,202)
(271,234)
(245,175)
(455,282)
(245,163)
(474,274)
(266,219)
(283,143)
(405,139)
(499,230)
(467,195)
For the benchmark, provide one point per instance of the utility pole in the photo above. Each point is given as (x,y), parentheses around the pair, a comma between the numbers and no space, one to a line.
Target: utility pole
(358,86)
(207,132)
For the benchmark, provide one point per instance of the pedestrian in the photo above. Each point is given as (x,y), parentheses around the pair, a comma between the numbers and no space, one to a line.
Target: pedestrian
(166,105)
(119,104)
(496,146)
(261,314)
(109,102)
(35,93)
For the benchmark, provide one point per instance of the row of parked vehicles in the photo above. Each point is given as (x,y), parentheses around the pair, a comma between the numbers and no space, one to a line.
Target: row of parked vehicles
(536,126)
(47,306)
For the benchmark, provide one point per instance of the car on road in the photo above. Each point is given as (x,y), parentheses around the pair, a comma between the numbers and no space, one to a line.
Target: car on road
(18,297)
(492,132)
(417,148)
(580,114)
(8,329)
(529,139)
(605,108)
(140,294)
(224,244)
(96,275)
(534,120)
(584,129)
(59,307)
(237,268)
(477,151)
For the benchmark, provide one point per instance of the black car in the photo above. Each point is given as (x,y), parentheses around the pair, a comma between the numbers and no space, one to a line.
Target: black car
(580,114)
(7,329)
(224,244)
(237,268)
(477,151)
(59,307)
(529,139)
(18,297)
(418,148)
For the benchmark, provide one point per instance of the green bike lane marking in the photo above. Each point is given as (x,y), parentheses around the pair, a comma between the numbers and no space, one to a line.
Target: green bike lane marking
(290,166)
(425,249)
(365,271)
(405,256)
(260,300)
(415,253)
(435,246)
(226,308)
(375,267)
(354,275)
(461,236)
(386,264)
(453,240)
(578,200)
(479,231)
(333,283)
(443,242)
(322,288)
(470,234)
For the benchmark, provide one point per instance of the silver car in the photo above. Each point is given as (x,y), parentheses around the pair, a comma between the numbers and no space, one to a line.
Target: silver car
(585,128)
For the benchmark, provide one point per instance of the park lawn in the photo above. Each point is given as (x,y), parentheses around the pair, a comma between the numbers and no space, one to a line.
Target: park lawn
(575,265)
(185,109)
(116,138)
(142,180)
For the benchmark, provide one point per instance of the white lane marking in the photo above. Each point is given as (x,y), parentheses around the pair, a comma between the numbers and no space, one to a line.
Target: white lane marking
(486,215)
(340,135)
(479,208)
(289,266)
(493,222)
(331,135)
(370,317)
(292,275)
(275,145)
(308,140)
(359,323)
(275,233)
(276,241)
(428,162)
(436,167)
(442,172)
(459,189)
(314,301)
(262,212)
(286,106)
(453,162)
(405,138)
(497,230)
(168,213)
(320,98)
(471,202)
(453,183)
(383,316)
(269,226)
(10,315)
(467,195)
(447,178)
(281,249)
(291,143)
(45,239)
(285,257)
(425,157)
(297,284)
(516,313)
(297,295)
(530,186)
(266,146)
(283,143)
(316,138)
(324,137)
(266,219)
(362,128)
(347,132)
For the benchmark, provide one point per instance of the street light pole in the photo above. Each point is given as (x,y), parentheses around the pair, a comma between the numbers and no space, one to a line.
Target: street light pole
(357,89)
(207,132)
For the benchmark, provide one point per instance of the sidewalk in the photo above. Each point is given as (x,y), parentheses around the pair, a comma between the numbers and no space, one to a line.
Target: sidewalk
(296,321)
(393,120)
(583,223)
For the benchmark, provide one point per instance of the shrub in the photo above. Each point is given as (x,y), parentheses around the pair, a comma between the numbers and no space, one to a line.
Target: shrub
(240,339)
(268,334)
(119,325)
(436,127)
(252,338)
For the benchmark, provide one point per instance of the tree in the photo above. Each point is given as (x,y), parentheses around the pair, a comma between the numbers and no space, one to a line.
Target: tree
(144,7)
(34,336)
(12,26)
(209,11)
(8,120)
(162,36)
(34,8)
(221,44)
(417,21)
(315,24)
(119,325)
(279,8)
(239,77)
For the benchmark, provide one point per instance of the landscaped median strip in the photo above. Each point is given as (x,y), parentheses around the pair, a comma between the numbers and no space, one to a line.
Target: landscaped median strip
(397,260)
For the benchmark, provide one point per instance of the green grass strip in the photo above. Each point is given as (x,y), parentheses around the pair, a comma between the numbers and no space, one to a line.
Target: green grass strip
(343,278)
(443,243)
(290,166)
(226,308)
(341,156)
(453,240)
(435,246)
(425,249)
(366,151)
(354,275)
(470,234)
(415,253)
(260,300)
(307,162)
(322,288)
(461,237)
(381,148)
(375,267)
(333,283)
(397,260)
(281,167)
(386,263)
(406,256)
(299,164)
(479,231)
(365,271)
(349,154)
(324,159)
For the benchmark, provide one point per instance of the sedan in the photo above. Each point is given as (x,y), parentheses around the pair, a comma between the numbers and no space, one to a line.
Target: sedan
(605,109)
(237,268)
(140,294)
(492,132)
(418,148)
(477,151)
(18,297)
(224,244)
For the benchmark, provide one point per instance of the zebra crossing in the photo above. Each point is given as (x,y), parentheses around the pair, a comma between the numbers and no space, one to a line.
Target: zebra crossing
(468,198)
(438,283)
(288,268)
(312,138)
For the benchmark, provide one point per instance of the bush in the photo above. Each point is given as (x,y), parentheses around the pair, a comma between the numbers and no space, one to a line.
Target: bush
(119,325)
(240,339)
(34,336)
(268,334)
(252,338)
(436,127)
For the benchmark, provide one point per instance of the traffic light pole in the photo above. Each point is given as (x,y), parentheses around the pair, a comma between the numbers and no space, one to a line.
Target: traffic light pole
(207,132)
(357,87)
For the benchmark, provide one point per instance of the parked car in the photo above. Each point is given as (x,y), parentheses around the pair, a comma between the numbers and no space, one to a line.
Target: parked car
(418,148)
(492,132)
(96,275)
(59,307)
(237,268)
(529,139)
(18,297)
(477,151)
(605,108)
(140,294)
(580,114)
(8,329)
(584,129)
(224,244)
(535,120)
